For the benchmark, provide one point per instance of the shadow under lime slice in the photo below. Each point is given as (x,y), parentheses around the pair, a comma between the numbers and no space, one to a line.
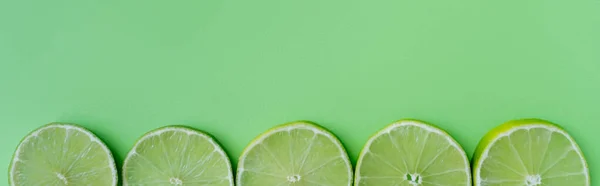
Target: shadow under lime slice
(299,154)
(177,156)
(529,152)
(62,154)
(412,153)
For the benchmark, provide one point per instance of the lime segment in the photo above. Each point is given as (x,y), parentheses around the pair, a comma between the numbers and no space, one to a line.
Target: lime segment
(529,152)
(411,153)
(299,154)
(62,154)
(177,156)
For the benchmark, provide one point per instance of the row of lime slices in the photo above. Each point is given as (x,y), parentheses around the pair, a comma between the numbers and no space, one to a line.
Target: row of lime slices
(527,152)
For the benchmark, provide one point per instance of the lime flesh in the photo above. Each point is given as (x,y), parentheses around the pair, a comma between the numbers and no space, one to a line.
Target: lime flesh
(412,153)
(529,152)
(61,154)
(298,154)
(177,156)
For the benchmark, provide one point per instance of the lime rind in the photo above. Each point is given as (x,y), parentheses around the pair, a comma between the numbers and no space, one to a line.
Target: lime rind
(317,129)
(187,130)
(508,128)
(67,126)
(416,123)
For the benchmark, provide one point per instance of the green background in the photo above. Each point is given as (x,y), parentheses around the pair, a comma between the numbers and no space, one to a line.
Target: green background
(235,68)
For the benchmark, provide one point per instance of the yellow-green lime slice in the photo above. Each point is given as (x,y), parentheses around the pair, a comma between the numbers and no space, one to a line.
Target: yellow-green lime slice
(177,155)
(529,152)
(298,154)
(412,153)
(62,154)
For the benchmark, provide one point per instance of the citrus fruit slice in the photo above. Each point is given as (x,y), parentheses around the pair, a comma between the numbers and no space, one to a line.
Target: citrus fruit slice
(412,153)
(62,154)
(529,152)
(176,155)
(299,153)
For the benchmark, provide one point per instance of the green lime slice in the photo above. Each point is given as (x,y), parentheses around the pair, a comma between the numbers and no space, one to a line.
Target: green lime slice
(62,154)
(177,155)
(299,154)
(412,153)
(529,152)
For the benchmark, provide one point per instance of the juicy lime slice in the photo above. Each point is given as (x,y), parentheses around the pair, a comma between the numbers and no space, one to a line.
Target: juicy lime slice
(529,152)
(177,155)
(411,153)
(299,154)
(62,154)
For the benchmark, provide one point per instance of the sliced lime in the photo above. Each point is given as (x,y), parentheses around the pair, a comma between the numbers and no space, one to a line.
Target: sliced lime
(299,154)
(62,154)
(529,152)
(411,153)
(177,155)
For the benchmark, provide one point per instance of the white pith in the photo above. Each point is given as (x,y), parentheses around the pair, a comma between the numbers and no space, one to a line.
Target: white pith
(407,123)
(158,132)
(290,127)
(484,154)
(92,138)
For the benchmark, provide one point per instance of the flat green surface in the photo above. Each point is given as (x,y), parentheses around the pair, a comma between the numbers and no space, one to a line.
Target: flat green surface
(236,68)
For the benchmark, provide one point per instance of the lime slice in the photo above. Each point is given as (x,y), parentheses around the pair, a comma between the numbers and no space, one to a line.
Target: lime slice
(529,152)
(177,155)
(411,153)
(299,154)
(62,154)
